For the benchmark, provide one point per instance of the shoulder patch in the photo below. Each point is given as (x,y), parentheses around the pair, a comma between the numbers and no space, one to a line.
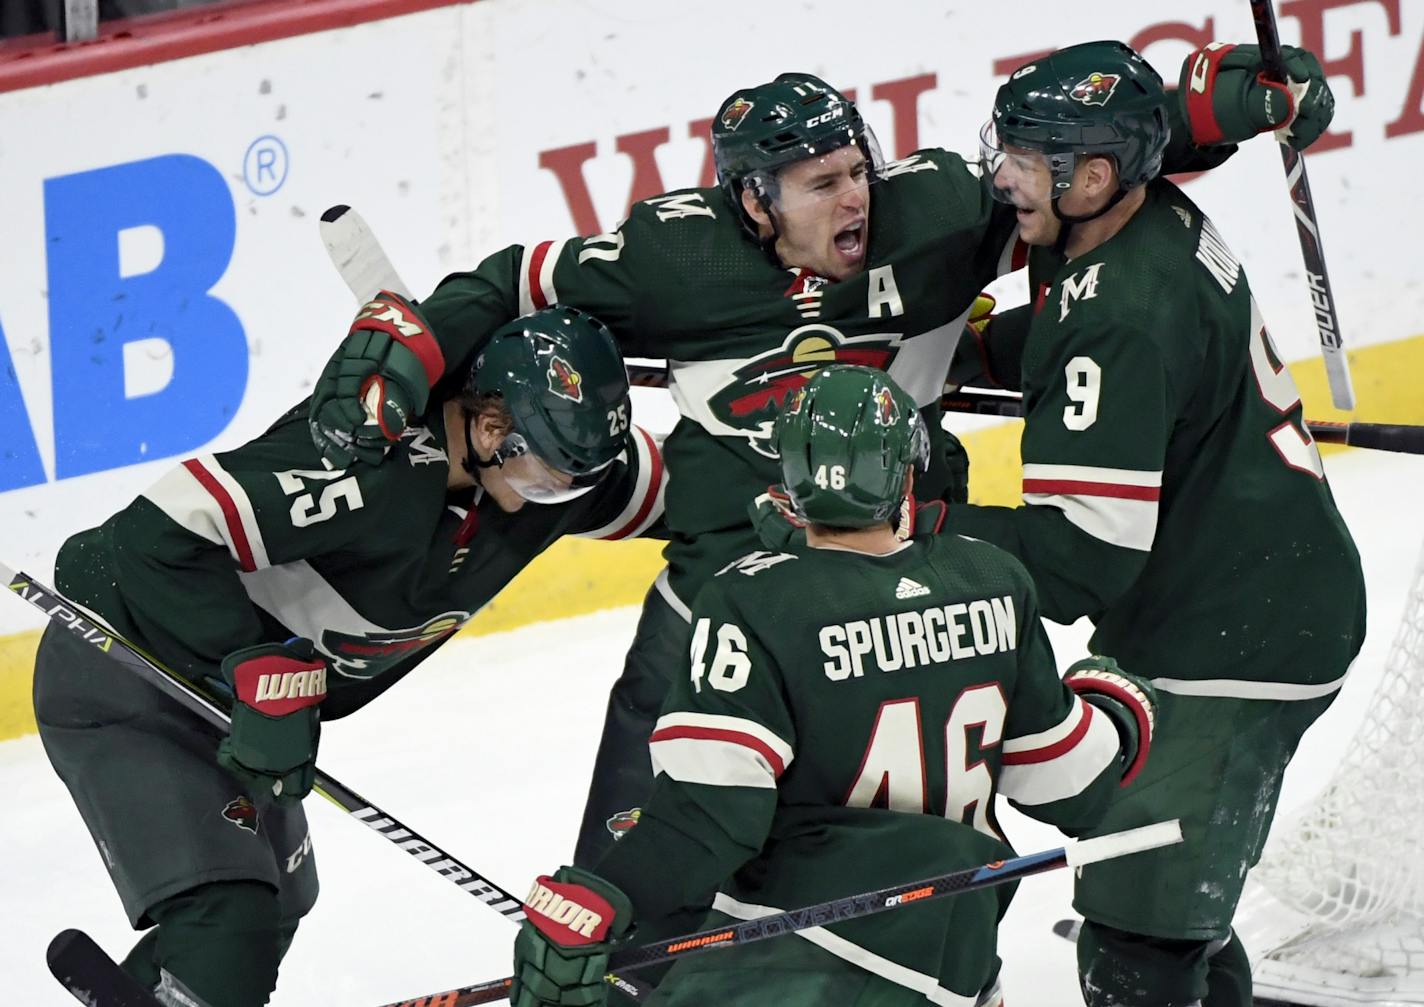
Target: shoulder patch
(754,563)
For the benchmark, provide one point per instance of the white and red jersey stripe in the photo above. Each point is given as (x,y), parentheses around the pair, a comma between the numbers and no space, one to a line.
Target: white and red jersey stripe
(1117,506)
(203,498)
(536,275)
(718,750)
(1061,761)
(645,503)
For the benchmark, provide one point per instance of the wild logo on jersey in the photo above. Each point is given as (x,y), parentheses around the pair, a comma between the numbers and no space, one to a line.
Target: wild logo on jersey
(758,390)
(367,656)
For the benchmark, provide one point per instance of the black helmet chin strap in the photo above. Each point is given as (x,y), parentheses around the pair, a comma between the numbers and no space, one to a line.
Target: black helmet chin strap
(1069,219)
(472,463)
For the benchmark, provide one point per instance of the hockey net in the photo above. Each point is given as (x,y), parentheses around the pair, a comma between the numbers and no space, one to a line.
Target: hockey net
(1334,913)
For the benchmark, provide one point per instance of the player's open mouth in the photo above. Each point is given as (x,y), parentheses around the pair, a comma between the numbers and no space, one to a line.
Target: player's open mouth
(851,242)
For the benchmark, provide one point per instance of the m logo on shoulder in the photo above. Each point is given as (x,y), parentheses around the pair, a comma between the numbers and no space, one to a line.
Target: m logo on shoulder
(1080,286)
(908,588)
(754,563)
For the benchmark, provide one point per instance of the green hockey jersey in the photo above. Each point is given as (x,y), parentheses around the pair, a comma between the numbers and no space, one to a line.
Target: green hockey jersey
(680,280)
(375,564)
(846,724)
(1172,493)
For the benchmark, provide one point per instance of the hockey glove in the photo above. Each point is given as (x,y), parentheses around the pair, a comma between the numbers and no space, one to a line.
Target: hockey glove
(1129,701)
(561,953)
(776,523)
(379,379)
(1228,99)
(276,717)
(956,462)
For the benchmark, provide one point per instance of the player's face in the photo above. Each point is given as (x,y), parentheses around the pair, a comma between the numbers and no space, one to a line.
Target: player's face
(1023,178)
(823,213)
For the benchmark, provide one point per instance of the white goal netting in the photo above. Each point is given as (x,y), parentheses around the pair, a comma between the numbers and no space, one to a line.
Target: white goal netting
(1334,913)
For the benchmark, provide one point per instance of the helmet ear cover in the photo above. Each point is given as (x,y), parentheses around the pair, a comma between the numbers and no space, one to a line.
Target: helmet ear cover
(847,442)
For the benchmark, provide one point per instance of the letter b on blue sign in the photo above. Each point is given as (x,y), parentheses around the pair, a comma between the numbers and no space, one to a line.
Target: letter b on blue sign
(94,311)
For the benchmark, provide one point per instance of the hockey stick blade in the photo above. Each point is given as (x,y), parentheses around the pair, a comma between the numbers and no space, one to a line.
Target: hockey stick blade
(91,976)
(1074,853)
(357,255)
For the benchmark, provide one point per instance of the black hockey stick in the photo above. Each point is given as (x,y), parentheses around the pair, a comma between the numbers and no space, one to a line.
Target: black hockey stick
(69,616)
(1075,853)
(363,264)
(91,976)
(1322,299)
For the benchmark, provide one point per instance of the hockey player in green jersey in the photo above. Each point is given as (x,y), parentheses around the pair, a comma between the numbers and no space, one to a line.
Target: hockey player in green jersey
(1172,495)
(810,251)
(295,593)
(850,710)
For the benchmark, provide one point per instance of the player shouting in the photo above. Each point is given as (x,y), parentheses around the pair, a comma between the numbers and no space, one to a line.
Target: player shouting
(854,704)
(300,592)
(1172,495)
(811,251)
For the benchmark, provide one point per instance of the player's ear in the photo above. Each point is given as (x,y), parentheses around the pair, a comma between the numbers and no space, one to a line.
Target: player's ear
(1101,176)
(755,211)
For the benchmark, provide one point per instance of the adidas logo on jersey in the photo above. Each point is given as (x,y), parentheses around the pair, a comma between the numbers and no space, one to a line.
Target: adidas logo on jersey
(908,588)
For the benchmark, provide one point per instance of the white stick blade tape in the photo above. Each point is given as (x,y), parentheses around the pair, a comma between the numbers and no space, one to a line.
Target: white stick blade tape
(1120,844)
(357,255)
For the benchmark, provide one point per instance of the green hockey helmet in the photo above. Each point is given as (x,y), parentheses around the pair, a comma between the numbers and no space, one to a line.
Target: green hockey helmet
(563,383)
(1097,98)
(760,130)
(846,441)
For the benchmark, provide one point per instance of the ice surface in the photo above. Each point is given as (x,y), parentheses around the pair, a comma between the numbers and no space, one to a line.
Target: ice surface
(485,750)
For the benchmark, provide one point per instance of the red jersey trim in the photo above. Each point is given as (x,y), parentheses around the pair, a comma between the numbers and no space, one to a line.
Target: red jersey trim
(655,483)
(720,734)
(229,510)
(536,266)
(1077,487)
(129,42)
(1050,752)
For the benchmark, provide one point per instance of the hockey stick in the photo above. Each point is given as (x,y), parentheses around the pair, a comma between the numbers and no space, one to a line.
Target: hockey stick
(1402,437)
(67,615)
(1075,853)
(1322,299)
(364,266)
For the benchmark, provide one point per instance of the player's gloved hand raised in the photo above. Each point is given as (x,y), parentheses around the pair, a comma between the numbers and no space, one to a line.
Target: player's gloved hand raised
(956,461)
(775,520)
(276,717)
(1228,98)
(378,380)
(1129,701)
(561,953)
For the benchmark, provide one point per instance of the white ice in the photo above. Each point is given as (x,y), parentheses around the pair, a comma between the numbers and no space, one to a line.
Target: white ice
(486,752)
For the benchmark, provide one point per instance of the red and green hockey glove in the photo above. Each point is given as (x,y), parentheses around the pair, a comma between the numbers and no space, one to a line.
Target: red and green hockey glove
(377,382)
(1228,99)
(1129,701)
(276,717)
(561,954)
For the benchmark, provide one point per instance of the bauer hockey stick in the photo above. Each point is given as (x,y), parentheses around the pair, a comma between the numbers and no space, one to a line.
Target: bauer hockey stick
(365,268)
(1322,299)
(1075,853)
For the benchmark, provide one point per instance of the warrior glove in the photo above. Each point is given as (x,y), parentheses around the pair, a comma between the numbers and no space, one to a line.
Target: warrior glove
(1228,98)
(276,717)
(1128,700)
(377,382)
(561,954)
